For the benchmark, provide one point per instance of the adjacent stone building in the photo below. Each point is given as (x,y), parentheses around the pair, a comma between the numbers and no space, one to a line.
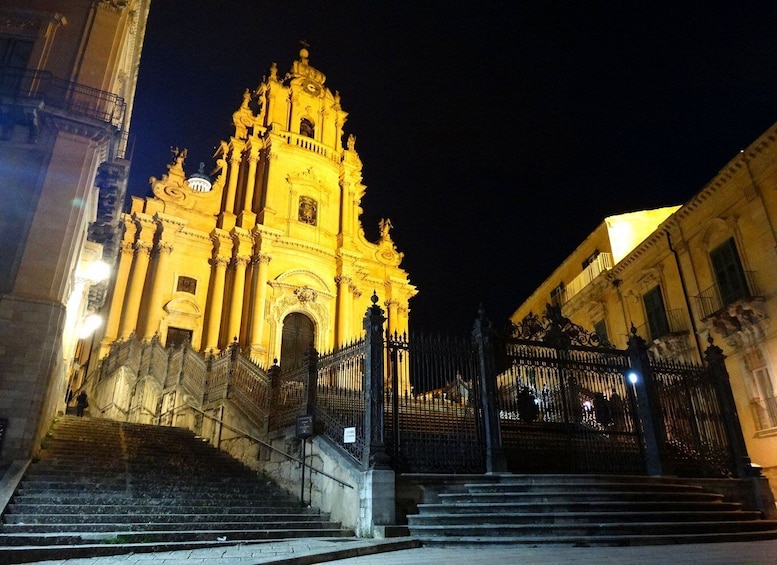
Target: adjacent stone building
(68,72)
(270,252)
(680,276)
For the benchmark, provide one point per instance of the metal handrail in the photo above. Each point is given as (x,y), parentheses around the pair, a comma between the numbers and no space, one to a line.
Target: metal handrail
(256,439)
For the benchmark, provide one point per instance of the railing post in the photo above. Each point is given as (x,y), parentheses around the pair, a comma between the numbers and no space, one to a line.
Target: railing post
(649,418)
(720,380)
(312,381)
(233,351)
(375,456)
(484,337)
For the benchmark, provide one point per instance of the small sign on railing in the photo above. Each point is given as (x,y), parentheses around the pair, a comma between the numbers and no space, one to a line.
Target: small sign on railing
(304,426)
(349,435)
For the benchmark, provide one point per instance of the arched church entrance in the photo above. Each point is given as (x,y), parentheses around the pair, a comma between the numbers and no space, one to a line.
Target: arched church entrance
(298,334)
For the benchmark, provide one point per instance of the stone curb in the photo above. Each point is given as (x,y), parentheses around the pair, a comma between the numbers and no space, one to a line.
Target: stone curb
(26,554)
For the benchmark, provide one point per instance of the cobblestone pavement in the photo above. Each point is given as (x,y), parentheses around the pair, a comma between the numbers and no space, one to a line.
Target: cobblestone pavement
(740,553)
(301,552)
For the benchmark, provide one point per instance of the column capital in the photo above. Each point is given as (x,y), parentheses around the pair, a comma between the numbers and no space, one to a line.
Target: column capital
(261,258)
(141,247)
(240,261)
(343,279)
(164,247)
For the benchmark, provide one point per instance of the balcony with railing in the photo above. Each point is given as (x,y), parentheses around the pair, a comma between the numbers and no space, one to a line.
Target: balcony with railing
(18,84)
(601,263)
(715,298)
(669,340)
(676,323)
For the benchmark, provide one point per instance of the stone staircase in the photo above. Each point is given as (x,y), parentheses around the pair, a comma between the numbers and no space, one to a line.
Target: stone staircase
(585,510)
(102,487)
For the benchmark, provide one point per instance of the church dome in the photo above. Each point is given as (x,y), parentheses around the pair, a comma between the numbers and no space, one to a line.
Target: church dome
(199,181)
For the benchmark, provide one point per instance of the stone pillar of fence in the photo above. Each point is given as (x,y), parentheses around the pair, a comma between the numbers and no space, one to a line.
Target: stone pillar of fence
(720,380)
(375,456)
(648,417)
(484,337)
(377,486)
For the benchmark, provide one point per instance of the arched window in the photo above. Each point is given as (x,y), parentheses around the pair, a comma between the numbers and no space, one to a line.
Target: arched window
(298,334)
(306,128)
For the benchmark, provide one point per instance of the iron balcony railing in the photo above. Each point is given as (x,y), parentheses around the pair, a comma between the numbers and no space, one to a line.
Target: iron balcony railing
(714,298)
(77,99)
(676,322)
(603,262)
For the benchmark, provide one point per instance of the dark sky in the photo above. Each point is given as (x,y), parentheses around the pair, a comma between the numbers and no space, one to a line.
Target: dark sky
(496,136)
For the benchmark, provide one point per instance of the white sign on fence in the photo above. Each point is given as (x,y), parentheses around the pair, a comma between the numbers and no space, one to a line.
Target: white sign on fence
(349,435)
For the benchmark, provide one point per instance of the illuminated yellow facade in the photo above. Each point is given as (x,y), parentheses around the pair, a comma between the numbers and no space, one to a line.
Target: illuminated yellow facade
(271,253)
(685,274)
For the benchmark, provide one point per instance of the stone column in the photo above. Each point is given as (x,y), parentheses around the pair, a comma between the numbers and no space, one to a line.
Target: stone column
(234,172)
(261,266)
(253,157)
(129,314)
(236,298)
(119,292)
(158,284)
(391,306)
(215,302)
(343,308)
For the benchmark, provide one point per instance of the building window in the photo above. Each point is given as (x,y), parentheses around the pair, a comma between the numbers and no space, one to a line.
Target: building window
(306,128)
(178,336)
(186,284)
(729,275)
(15,52)
(763,403)
(655,313)
(557,295)
(600,329)
(308,210)
(590,259)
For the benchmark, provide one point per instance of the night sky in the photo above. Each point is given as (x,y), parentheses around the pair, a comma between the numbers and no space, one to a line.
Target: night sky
(495,136)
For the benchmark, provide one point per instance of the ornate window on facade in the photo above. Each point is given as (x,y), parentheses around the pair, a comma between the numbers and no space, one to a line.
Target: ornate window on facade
(308,210)
(306,128)
(186,284)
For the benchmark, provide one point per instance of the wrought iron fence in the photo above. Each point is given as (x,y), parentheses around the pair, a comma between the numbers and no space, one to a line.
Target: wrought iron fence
(430,405)
(694,437)
(567,410)
(339,397)
(545,398)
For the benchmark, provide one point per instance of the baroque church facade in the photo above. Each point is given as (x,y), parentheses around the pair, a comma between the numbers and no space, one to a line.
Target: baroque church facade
(271,253)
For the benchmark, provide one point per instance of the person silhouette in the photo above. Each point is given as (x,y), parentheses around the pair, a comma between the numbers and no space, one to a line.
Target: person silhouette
(81,404)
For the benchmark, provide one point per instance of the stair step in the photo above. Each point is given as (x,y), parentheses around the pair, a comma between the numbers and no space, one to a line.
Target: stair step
(118,483)
(581,506)
(519,518)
